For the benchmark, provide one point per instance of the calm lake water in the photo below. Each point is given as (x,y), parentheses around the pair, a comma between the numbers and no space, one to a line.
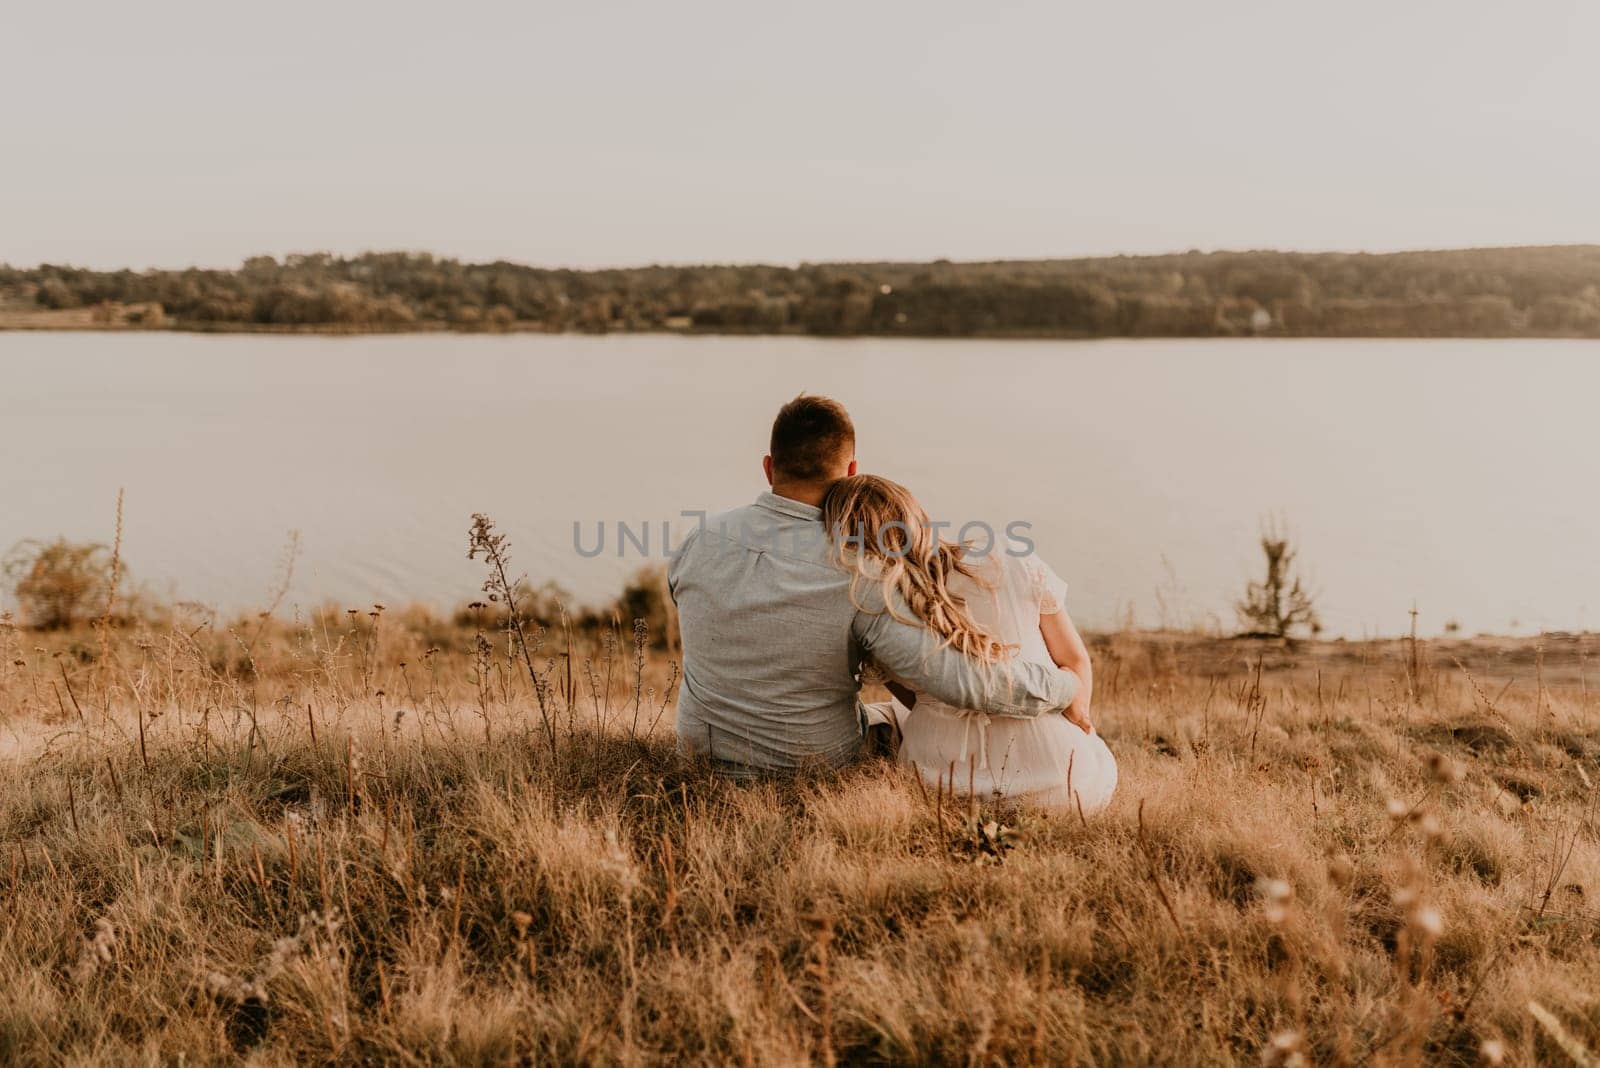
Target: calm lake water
(1459,475)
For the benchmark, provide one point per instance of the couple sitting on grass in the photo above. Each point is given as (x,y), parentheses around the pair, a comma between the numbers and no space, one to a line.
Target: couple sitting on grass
(786,605)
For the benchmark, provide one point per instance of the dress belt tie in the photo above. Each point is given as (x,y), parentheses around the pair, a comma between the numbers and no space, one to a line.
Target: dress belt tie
(981,721)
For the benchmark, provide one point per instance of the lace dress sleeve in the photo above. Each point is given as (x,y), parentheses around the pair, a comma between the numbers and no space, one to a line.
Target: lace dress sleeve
(1049,592)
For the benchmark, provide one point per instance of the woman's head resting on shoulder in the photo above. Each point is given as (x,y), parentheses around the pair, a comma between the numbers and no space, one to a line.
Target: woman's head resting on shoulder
(881,534)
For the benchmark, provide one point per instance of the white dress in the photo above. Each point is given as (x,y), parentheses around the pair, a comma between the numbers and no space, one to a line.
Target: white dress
(1026,760)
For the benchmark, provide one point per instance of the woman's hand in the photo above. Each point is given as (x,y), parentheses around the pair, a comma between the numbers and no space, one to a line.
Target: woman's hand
(1078,718)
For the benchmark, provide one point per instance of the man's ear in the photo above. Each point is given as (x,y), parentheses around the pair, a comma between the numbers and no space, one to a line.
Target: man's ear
(766,468)
(852,472)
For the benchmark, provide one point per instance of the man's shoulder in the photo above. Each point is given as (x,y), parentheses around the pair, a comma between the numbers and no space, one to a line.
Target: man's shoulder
(718,528)
(716,540)
(731,519)
(712,534)
(762,529)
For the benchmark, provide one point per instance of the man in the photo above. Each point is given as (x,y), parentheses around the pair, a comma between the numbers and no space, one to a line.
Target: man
(772,642)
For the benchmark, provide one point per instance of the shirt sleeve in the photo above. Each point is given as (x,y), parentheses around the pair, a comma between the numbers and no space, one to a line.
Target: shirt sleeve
(914,653)
(1046,587)
(676,564)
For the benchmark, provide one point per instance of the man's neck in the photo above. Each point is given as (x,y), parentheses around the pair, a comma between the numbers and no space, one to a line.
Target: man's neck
(805,492)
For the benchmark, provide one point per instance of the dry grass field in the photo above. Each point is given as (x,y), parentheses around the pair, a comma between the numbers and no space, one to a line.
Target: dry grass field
(354,837)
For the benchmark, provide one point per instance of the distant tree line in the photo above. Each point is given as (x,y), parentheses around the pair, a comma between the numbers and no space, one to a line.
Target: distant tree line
(1551,291)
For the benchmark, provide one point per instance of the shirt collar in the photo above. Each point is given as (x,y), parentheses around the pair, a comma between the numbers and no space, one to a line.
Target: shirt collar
(788,506)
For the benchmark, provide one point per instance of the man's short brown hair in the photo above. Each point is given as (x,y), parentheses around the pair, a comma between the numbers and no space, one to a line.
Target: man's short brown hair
(812,440)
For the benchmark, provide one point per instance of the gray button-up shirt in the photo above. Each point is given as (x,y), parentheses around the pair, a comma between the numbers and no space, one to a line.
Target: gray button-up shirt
(772,644)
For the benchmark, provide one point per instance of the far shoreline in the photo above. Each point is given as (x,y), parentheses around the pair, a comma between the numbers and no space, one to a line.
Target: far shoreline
(1524,292)
(74,321)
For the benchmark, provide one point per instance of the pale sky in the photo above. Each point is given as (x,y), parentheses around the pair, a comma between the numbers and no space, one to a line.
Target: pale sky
(590,134)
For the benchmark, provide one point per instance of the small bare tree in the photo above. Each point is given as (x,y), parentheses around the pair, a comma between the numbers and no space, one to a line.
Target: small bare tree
(1281,603)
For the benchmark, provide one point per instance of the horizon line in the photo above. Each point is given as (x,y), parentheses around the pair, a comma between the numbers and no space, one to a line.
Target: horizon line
(802,264)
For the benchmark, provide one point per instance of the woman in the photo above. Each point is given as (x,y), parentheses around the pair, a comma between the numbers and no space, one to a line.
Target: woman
(990,607)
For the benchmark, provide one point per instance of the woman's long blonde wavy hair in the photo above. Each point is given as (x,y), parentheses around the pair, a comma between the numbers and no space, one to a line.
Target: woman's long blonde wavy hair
(881,534)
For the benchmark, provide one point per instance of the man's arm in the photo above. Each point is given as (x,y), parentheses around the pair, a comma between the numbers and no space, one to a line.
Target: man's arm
(913,652)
